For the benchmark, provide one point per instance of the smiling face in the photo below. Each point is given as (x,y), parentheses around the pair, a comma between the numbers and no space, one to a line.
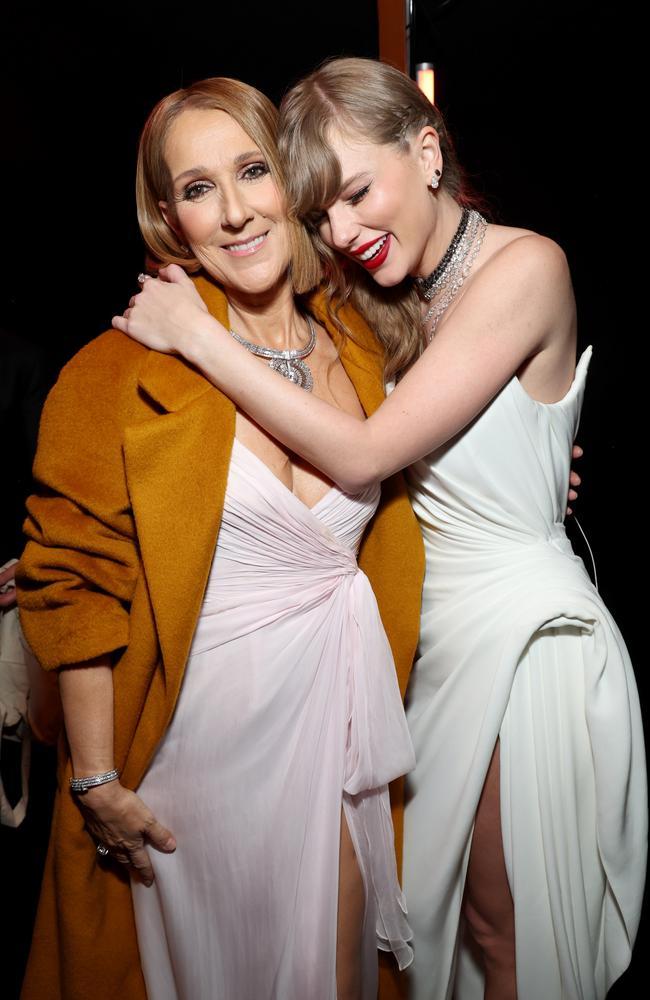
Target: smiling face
(384,214)
(224,203)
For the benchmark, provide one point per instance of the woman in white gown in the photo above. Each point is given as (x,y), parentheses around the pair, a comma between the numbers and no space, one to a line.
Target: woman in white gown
(528,808)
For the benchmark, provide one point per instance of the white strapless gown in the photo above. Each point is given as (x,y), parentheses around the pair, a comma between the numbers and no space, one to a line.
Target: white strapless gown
(289,711)
(517,644)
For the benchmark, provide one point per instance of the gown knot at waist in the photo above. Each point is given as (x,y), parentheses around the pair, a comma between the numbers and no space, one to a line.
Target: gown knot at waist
(379,746)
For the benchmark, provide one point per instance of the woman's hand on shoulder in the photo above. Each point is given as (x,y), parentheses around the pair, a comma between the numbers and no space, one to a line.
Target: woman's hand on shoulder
(165,313)
(119,819)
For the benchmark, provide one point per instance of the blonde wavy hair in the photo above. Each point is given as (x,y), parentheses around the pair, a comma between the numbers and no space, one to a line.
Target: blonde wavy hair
(259,119)
(376,102)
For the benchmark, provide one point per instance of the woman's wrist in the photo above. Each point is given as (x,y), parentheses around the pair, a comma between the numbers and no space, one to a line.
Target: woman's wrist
(90,764)
(80,784)
(88,760)
(202,343)
(100,795)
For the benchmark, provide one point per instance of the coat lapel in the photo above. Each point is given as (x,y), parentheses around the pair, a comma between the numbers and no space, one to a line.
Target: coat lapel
(177,470)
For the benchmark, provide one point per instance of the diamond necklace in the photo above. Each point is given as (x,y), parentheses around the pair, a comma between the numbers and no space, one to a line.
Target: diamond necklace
(427,287)
(458,259)
(289,363)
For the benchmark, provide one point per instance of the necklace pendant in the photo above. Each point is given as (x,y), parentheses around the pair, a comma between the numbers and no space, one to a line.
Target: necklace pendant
(287,363)
(294,370)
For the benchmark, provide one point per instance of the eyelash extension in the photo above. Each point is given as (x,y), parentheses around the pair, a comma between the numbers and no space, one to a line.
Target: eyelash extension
(359,195)
(315,218)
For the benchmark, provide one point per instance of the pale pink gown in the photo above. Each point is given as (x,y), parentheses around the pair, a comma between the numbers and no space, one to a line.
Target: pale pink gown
(289,710)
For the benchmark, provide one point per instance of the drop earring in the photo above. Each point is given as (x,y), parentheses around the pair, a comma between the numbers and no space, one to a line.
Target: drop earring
(435,180)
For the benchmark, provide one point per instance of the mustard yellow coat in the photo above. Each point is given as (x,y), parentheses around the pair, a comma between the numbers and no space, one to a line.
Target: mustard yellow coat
(132,463)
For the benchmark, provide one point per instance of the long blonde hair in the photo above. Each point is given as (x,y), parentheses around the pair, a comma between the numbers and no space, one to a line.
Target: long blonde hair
(378,103)
(259,119)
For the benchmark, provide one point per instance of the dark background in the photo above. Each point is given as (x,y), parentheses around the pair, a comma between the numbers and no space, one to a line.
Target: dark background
(528,90)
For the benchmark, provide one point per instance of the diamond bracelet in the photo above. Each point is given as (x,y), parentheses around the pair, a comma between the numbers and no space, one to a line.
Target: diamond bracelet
(81,785)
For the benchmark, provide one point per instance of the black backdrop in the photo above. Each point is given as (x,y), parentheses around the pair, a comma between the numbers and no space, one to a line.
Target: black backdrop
(527,89)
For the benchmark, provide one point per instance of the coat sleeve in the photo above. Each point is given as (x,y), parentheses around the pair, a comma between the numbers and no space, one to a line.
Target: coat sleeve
(77,575)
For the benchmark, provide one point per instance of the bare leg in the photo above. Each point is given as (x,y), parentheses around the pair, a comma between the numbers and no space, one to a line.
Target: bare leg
(352,903)
(488,906)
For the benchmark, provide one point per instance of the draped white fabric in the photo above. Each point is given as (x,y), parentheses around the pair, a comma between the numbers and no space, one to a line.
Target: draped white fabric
(516,643)
(289,711)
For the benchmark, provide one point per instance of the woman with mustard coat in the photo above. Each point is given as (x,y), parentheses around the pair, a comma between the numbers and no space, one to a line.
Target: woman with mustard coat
(133,464)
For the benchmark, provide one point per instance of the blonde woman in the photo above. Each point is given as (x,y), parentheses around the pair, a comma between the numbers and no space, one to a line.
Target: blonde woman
(232,709)
(527,814)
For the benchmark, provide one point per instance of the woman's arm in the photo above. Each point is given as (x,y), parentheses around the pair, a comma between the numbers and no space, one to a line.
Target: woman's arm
(77,577)
(505,317)
(114,815)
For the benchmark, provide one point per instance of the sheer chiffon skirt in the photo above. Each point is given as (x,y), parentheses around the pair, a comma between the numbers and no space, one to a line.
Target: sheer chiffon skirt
(289,712)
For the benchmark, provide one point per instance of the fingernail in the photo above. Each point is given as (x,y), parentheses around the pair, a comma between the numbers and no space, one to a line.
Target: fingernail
(170,845)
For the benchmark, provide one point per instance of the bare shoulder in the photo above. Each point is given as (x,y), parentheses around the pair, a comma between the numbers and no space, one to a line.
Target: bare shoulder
(526,253)
(523,282)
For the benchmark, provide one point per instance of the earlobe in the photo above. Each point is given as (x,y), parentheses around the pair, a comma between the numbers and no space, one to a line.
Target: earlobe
(430,155)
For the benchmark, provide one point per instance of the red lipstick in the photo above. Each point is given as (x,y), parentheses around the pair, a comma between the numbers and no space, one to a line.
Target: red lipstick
(366,246)
(378,259)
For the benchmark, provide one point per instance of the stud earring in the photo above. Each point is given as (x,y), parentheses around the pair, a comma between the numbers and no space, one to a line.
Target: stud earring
(435,180)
